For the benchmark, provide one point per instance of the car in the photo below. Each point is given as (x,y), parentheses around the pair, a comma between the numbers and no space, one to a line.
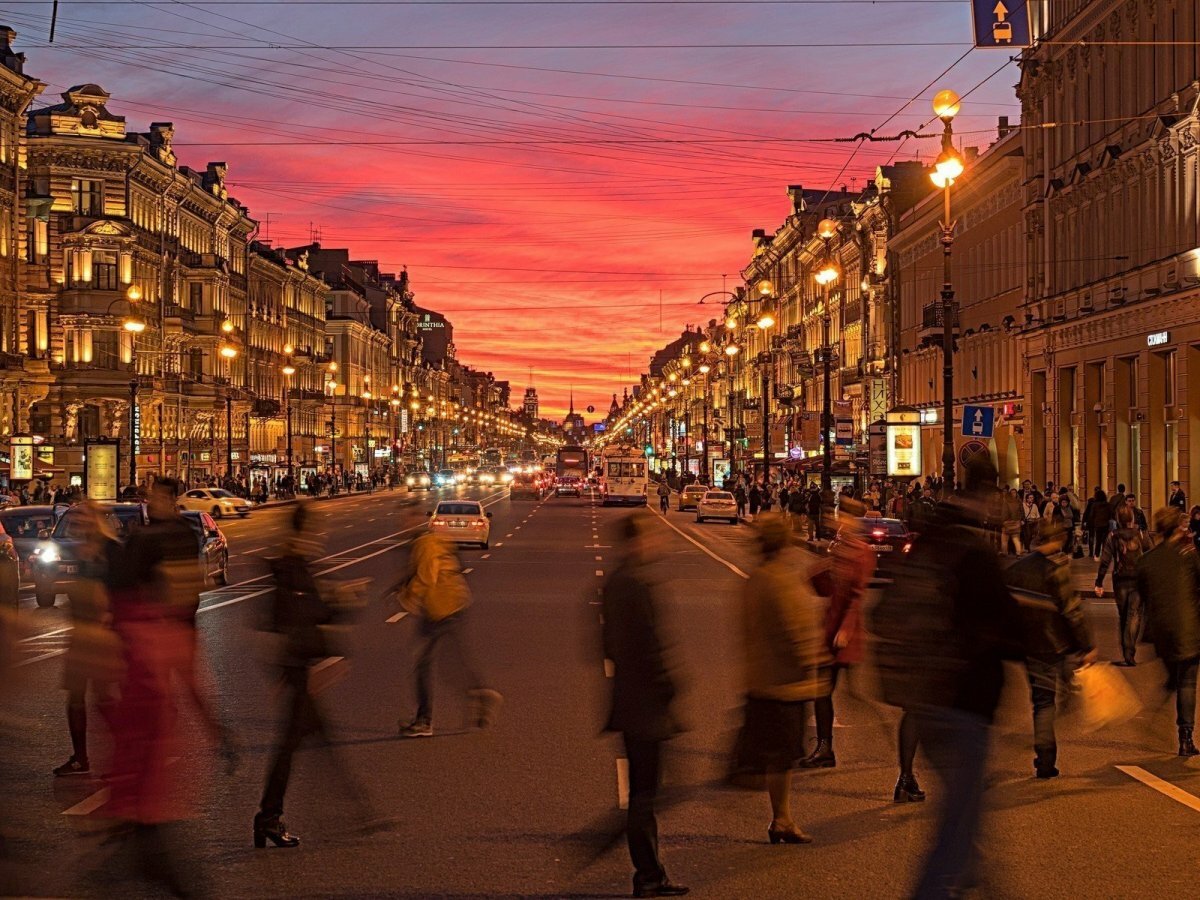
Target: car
(54,565)
(526,487)
(569,486)
(717,505)
(217,502)
(445,478)
(10,572)
(214,548)
(462,521)
(418,480)
(889,538)
(24,525)
(690,496)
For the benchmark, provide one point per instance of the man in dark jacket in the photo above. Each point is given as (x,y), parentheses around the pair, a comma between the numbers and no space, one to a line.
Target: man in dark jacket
(1056,631)
(1178,498)
(942,637)
(642,697)
(1122,550)
(1168,578)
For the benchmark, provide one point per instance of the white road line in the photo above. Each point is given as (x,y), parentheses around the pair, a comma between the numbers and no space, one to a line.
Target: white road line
(392,620)
(89,805)
(326,663)
(609,668)
(39,658)
(499,543)
(509,534)
(726,563)
(598,558)
(255,550)
(467,571)
(46,634)
(622,783)
(486,556)
(599,573)
(1163,787)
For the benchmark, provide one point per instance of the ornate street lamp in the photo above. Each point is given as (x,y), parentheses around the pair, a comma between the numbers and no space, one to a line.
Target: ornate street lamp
(825,276)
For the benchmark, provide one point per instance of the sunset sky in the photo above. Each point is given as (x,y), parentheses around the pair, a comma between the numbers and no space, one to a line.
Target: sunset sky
(563,179)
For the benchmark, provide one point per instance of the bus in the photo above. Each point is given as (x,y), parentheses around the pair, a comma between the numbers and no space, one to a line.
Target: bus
(493,458)
(571,471)
(623,479)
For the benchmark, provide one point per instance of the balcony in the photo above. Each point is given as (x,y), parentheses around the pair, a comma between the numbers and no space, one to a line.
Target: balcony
(932,323)
(194,260)
(266,409)
(848,375)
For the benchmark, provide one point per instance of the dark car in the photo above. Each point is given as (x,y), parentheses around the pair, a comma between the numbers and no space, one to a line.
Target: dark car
(526,487)
(25,524)
(889,538)
(54,564)
(214,548)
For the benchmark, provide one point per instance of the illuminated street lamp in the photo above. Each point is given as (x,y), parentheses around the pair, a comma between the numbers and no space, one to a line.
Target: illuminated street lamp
(947,169)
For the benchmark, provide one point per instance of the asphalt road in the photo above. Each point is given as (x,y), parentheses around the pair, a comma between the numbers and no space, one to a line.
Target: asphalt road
(527,809)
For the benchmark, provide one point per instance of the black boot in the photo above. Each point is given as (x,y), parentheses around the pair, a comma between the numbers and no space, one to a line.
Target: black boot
(822,756)
(907,790)
(272,828)
(1186,747)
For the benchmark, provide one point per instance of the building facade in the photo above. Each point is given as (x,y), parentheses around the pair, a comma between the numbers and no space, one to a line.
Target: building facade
(1112,223)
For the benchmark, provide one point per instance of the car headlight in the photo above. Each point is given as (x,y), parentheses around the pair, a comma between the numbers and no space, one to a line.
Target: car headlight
(46,554)
(424,479)
(507,476)
(409,481)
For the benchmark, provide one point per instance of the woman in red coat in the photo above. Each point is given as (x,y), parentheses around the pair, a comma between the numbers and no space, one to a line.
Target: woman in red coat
(853,562)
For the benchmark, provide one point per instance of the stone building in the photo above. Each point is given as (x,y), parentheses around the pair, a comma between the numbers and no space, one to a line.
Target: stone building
(1112,217)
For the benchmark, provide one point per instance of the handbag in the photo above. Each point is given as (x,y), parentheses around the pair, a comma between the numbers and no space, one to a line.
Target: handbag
(1104,696)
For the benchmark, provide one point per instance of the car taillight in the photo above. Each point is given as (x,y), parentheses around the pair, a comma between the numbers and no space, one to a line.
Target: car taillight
(907,547)
(435,521)
(878,533)
(481,521)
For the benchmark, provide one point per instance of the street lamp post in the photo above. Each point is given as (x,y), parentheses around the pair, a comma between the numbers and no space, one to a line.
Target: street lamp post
(947,168)
(705,368)
(288,371)
(825,276)
(134,325)
(764,360)
(731,350)
(229,354)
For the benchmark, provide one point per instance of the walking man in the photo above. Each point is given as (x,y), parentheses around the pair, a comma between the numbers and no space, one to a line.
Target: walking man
(437,594)
(1122,550)
(642,699)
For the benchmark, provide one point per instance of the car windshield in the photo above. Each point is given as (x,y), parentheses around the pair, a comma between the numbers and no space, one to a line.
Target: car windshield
(890,527)
(693,490)
(20,524)
(75,527)
(718,495)
(219,492)
(458,509)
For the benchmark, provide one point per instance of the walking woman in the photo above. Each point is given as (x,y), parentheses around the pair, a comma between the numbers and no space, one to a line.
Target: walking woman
(785,663)
(755,499)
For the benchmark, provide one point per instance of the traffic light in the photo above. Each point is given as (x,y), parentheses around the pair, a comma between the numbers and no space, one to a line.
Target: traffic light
(649,449)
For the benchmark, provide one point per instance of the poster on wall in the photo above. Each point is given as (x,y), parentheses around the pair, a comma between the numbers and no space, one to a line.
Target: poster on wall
(904,444)
(21,458)
(720,471)
(100,473)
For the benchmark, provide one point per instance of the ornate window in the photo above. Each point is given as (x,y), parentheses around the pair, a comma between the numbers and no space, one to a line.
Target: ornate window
(87,197)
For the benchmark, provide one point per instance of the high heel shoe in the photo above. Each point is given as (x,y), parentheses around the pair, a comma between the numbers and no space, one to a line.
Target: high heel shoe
(790,835)
(272,828)
(908,791)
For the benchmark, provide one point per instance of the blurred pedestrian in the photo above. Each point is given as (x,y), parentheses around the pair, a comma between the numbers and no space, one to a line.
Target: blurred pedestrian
(436,593)
(643,695)
(1122,550)
(739,494)
(1194,527)
(1057,633)
(1096,517)
(1168,577)
(942,634)
(853,563)
(785,666)
(1178,498)
(93,664)
(755,500)
(304,619)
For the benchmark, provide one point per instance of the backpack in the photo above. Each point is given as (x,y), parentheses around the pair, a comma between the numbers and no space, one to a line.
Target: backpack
(1127,550)
(913,630)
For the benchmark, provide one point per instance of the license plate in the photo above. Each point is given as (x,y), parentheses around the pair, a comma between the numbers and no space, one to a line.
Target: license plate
(458,524)
(70,570)
(884,548)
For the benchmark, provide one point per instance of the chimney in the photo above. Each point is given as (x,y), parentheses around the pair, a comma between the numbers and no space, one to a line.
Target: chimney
(1003,128)
(10,60)
(796,195)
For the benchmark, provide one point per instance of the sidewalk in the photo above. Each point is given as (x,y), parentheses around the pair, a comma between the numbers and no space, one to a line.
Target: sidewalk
(338,496)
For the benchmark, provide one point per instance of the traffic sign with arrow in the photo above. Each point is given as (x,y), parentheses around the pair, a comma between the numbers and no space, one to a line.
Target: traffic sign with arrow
(1001,24)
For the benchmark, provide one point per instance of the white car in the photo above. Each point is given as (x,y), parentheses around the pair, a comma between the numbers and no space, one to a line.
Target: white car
(462,521)
(215,501)
(418,480)
(717,505)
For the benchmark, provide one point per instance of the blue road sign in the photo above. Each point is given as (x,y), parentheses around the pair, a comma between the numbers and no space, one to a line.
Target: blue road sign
(978,421)
(1001,24)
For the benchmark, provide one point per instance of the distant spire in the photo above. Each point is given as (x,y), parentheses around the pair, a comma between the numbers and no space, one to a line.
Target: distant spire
(572,410)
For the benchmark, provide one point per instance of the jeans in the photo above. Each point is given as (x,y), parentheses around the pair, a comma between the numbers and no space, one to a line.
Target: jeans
(641,828)
(956,742)
(1045,676)
(1129,612)
(449,629)
(1182,680)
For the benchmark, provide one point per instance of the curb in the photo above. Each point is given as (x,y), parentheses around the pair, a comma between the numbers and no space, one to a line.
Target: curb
(270,504)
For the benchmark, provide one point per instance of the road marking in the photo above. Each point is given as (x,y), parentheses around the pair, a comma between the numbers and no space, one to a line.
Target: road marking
(392,620)
(622,783)
(486,556)
(599,573)
(467,571)
(1163,787)
(89,805)
(726,563)
(29,662)
(499,543)
(599,558)
(325,664)
(609,668)
(255,550)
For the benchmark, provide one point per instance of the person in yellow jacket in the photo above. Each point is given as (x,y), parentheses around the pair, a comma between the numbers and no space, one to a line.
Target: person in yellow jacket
(436,593)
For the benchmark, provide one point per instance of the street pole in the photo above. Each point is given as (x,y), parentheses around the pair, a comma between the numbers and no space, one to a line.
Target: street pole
(765,359)
(826,402)
(704,433)
(229,435)
(133,448)
(290,468)
(949,314)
